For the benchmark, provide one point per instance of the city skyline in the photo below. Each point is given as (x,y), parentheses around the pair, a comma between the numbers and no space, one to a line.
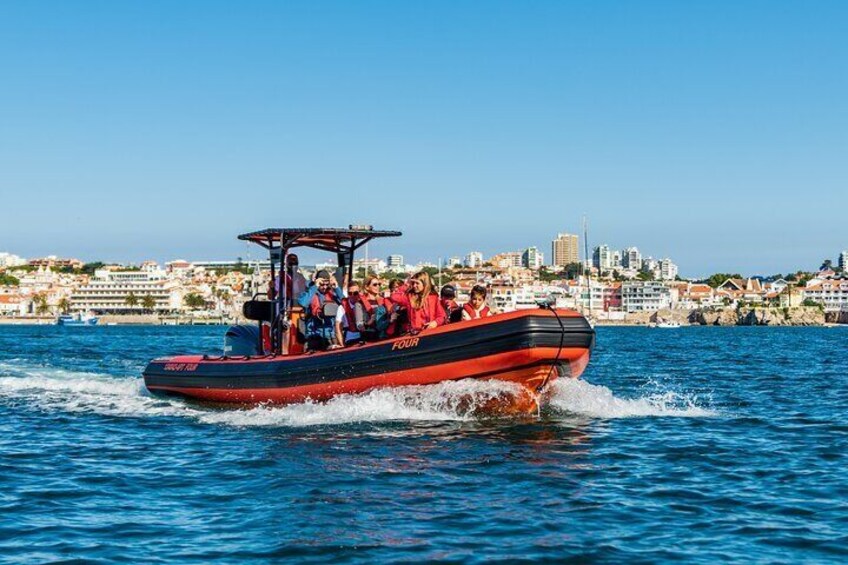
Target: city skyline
(609,260)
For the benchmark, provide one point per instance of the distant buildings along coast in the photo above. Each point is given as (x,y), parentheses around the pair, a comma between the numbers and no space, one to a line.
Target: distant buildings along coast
(612,282)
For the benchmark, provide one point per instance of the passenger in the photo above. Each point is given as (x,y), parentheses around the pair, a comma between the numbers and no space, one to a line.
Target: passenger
(295,281)
(352,317)
(476,306)
(393,286)
(447,297)
(396,313)
(382,318)
(423,309)
(320,327)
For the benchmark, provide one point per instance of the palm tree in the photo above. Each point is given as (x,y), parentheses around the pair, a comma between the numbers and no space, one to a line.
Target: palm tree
(131,300)
(41,306)
(64,305)
(194,301)
(148,303)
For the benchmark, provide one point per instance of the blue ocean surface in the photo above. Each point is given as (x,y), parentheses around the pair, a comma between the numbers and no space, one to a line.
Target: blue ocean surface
(699,445)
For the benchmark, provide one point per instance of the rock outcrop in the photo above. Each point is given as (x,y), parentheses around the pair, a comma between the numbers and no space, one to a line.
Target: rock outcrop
(800,316)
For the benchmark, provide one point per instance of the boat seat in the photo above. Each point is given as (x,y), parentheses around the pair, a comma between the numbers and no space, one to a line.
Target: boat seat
(259,310)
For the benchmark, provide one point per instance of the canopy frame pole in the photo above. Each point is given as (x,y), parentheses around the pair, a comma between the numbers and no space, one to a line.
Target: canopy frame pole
(273,294)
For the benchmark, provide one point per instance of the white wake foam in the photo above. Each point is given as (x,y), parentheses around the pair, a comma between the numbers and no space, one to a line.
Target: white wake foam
(447,401)
(595,401)
(53,389)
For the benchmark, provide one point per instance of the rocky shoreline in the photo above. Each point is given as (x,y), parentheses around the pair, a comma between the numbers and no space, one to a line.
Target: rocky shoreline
(746,316)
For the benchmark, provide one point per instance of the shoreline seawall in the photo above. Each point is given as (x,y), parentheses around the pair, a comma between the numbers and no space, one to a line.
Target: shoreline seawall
(798,316)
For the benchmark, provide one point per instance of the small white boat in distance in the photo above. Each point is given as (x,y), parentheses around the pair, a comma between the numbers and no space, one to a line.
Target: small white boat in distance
(77,320)
(668,324)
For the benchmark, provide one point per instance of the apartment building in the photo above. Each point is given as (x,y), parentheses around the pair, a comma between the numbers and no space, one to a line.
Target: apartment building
(565,249)
(644,296)
(832,293)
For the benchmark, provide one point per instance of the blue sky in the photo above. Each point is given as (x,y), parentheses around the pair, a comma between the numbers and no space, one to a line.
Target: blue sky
(714,133)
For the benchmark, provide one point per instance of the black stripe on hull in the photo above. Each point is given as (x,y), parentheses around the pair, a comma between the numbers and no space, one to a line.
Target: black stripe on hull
(510,335)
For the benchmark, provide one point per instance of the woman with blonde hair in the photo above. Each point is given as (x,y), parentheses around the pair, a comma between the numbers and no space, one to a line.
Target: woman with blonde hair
(423,308)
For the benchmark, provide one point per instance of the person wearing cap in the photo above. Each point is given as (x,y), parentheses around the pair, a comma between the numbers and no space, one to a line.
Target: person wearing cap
(447,297)
(320,329)
(295,281)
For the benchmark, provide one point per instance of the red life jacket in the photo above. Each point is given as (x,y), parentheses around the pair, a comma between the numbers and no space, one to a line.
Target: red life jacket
(473,313)
(366,303)
(318,301)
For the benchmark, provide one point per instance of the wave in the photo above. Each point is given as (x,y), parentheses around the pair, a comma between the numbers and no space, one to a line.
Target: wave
(54,389)
(596,401)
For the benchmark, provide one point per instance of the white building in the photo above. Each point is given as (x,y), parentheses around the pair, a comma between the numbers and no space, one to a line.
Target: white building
(616,260)
(644,296)
(8,260)
(453,262)
(371,266)
(843,260)
(532,258)
(11,304)
(668,270)
(474,260)
(602,258)
(587,294)
(263,264)
(394,261)
(110,292)
(650,265)
(631,259)
(832,293)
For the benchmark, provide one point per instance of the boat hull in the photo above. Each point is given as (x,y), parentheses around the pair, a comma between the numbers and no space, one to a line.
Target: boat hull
(528,347)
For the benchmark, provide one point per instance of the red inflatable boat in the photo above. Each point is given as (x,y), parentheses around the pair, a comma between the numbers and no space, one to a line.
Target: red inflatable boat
(528,347)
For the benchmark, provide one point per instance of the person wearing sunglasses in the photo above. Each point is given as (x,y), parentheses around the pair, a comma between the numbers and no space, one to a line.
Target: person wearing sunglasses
(320,326)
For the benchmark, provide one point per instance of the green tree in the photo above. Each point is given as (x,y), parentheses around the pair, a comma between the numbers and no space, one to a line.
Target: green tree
(811,302)
(645,276)
(572,270)
(148,303)
(89,268)
(718,278)
(194,301)
(8,280)
(548,276)
(826,264)
(64,305)
(131,300)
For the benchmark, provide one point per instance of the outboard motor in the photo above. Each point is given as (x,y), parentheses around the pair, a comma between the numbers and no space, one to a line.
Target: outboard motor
(242,341)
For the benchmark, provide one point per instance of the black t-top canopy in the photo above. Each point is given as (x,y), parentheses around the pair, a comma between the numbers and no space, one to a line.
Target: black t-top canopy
(334,240)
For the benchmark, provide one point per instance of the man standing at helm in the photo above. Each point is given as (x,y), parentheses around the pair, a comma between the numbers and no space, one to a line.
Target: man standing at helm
(295,281)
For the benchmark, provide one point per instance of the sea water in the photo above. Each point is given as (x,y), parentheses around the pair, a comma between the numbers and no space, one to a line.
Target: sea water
(690,444)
